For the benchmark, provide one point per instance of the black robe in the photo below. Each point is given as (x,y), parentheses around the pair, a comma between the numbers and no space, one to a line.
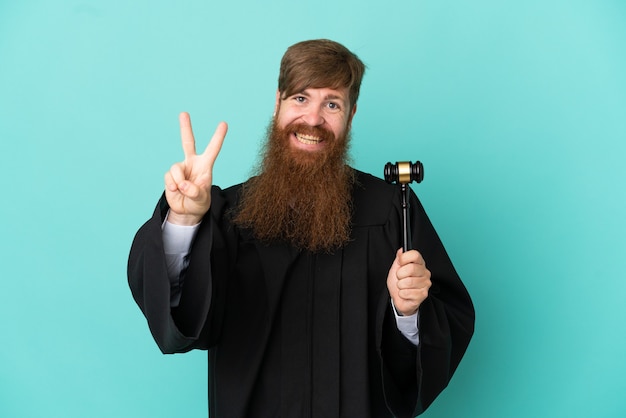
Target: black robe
(291,333)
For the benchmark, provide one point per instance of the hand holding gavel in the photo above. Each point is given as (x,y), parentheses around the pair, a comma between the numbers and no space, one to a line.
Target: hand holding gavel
(408,280)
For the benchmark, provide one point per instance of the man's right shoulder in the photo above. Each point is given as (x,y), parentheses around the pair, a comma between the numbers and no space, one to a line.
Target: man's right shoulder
(224,198)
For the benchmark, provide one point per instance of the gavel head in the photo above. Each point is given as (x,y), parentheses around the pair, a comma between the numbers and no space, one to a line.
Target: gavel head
(404,172)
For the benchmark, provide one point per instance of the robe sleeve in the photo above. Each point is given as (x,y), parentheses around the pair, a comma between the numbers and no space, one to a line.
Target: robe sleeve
(195,322)
(414,376)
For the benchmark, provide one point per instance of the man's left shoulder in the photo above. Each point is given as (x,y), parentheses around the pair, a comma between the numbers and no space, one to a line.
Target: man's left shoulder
(373,199)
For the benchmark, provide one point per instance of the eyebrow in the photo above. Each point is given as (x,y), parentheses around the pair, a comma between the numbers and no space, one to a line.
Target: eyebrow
(327,97)
(334,97)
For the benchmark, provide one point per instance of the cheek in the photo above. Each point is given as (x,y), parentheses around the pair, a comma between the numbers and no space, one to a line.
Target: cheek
(284,117)
(339,127)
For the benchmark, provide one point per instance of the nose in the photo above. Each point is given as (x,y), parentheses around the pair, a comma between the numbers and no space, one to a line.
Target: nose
(313,116)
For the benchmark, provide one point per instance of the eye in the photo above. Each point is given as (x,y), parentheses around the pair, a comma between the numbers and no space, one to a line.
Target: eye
(299,99)
(334,106)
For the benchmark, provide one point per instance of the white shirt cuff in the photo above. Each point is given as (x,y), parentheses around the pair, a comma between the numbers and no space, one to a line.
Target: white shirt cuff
(177,241)
(407,325)
(177,238)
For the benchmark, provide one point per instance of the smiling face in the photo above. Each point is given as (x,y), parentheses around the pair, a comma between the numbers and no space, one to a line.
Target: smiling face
(315,118)
(301,192)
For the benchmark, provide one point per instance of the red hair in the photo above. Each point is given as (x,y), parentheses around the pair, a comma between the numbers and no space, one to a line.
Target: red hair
(320,63)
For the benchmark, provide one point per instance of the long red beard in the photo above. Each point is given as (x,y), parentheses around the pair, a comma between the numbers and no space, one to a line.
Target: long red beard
(302,197)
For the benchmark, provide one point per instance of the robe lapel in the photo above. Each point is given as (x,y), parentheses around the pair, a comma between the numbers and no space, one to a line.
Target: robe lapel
(276,261)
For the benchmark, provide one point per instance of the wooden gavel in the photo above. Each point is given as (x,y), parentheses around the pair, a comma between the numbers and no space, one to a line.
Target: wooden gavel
(403,173)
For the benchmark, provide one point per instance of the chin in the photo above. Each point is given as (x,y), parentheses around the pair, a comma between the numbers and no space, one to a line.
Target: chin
(305,157)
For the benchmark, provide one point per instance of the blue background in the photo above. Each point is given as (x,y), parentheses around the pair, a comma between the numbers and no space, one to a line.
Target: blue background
(517,109)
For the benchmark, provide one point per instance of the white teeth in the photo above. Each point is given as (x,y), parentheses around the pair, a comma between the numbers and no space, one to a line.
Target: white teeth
(308,139)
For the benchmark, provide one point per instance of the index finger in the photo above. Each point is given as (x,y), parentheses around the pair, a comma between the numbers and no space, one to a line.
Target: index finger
(412,256)
(186,135)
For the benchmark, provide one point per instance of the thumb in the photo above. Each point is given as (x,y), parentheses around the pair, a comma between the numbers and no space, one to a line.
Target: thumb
(398,257)
(395,265)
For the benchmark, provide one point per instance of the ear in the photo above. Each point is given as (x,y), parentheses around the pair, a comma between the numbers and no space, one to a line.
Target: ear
(352,112)
(277,104)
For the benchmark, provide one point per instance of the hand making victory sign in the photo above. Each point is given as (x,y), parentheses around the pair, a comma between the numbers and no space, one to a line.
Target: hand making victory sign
(188,183)
(408,281)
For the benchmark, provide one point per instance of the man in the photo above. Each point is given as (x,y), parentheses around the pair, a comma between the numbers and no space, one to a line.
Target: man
(294,281)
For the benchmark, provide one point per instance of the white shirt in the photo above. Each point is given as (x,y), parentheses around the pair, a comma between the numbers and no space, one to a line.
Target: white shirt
(177,240)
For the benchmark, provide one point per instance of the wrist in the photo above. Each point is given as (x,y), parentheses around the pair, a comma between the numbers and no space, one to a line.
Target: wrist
(399,312)
(183,219)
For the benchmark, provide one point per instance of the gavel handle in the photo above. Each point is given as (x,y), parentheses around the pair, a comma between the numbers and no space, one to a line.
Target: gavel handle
(406,222)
